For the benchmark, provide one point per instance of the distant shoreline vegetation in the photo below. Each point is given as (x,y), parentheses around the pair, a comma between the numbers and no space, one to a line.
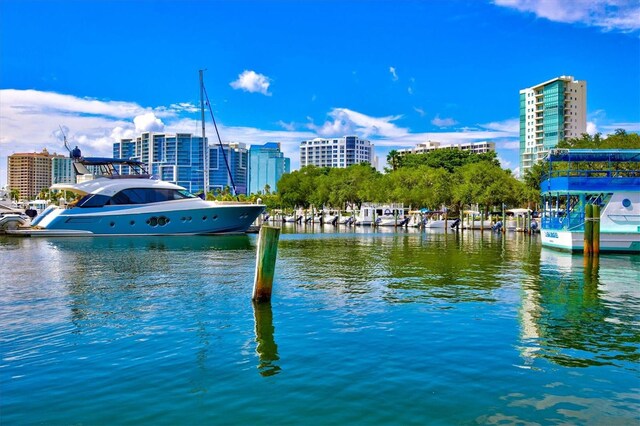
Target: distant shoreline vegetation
(450,178)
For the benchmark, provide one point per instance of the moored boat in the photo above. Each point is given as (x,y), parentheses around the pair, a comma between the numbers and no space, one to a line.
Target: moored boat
(381,215)
(136,204)
(609,179)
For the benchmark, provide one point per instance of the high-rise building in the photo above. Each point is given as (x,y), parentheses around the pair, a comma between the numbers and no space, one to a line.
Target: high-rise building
(30,173)
(475,147)
(62,170)
(267,164)
(550,112)
(237,157)
(173,158)
(341,152)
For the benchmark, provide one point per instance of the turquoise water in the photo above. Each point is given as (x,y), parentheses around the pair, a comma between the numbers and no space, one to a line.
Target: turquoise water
(364,328)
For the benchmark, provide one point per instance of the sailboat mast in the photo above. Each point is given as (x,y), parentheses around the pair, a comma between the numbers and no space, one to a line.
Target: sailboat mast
(205,148)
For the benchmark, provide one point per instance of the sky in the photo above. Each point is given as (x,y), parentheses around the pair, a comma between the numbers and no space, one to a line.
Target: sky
(395,72)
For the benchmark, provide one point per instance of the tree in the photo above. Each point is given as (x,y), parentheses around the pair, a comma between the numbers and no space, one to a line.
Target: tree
(619,140)
(393,159)
(14,194)
(488,185)
(449,159)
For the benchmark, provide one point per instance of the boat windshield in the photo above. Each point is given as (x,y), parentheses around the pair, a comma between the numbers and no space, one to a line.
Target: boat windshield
(135,196)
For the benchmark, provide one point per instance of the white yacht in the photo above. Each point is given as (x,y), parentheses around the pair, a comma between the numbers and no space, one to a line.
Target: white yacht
(135,204)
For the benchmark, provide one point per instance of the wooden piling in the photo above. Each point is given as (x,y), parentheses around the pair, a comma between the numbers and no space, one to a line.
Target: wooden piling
(588,229)
(595,233)
(504,220)
(528,222)
(265,263)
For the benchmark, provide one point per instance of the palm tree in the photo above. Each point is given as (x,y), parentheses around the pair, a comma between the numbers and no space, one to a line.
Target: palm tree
(393,159)
(15,194)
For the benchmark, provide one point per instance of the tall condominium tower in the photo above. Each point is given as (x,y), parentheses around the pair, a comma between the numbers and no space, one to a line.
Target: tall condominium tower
(238,158)
(550,112)
(30,173)
(341,152)
(173,158)
(267,164)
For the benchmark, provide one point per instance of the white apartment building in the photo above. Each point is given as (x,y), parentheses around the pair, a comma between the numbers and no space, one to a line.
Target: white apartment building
(340,152)
(550,112)
(475,147)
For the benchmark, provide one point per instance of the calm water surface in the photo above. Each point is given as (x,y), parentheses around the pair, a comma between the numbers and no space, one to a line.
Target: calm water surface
(364,327)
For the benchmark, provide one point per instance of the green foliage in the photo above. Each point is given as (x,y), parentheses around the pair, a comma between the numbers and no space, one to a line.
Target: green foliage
(14,194)
(454,178)
(619,140)
(448,159)
(393,159)
(488,185)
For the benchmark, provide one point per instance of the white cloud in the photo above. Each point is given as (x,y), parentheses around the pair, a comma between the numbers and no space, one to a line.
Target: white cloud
(592,128)
(511,126)
(443,122)
(345,121)
(506,164)
(420,111)
(148,122)
(252,82)
(610,15)
(287,126)
(611,128)
(394,75)
(516,172)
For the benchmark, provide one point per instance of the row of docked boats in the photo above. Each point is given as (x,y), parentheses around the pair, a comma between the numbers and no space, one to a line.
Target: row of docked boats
(396,215)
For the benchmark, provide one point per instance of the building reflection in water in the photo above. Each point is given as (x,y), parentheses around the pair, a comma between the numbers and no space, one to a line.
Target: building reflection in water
(266,346)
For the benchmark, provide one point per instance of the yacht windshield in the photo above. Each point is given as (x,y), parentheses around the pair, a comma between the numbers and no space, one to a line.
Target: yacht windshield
(148,195)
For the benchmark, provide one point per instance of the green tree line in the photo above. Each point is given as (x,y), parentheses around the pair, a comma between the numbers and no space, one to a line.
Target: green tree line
(444,177)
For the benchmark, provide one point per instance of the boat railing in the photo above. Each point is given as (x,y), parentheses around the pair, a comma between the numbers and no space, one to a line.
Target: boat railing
(629,218)
(575,222)
(592,173)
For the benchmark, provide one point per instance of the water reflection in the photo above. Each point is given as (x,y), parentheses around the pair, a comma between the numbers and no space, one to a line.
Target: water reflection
(405,267)
(582,310)
(154,243)
(266,346)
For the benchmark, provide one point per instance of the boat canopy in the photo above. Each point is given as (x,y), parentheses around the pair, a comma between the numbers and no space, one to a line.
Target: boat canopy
(594,155)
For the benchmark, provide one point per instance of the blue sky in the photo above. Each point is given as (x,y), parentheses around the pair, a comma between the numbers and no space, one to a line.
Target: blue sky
(395,72)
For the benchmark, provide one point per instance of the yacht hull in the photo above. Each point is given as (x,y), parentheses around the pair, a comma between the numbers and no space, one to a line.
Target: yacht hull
(169,219)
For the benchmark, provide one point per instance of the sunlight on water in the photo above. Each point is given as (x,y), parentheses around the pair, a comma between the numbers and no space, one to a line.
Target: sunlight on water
(365,327)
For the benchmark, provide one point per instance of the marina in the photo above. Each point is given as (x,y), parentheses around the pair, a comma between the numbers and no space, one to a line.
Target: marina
(371,325)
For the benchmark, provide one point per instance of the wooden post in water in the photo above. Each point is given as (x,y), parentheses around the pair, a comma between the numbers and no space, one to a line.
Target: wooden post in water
(504,220)
(588,229)
(595,233)
(265,263)
(528,222)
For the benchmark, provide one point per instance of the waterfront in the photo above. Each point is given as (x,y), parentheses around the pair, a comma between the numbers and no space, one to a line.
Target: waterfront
(366,327)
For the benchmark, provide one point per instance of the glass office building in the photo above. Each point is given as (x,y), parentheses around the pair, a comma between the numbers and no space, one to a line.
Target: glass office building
(267,164)
(173,158)
(237,157)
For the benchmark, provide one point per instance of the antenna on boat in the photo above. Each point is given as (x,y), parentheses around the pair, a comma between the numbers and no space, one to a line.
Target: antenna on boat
(64,138)
(203,90)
